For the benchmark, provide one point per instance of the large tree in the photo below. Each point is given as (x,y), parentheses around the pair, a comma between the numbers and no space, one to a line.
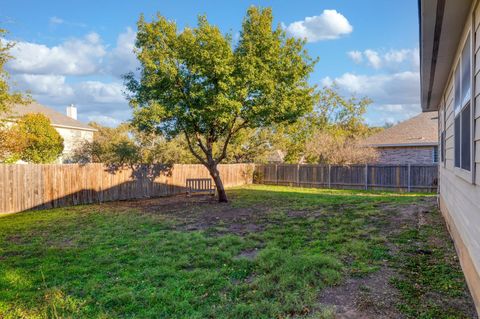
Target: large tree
(198,83)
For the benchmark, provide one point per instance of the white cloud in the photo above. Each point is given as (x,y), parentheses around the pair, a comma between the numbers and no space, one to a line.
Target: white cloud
(396,56)
(83,71)
(397,88)
(100,92)
(56,20)
(104,120)
(122,59)
(394,95)
(393,60)
(326,26)
(356,56)
(94,99)
(391,107)
(72,57)
(51,86)
(373,58)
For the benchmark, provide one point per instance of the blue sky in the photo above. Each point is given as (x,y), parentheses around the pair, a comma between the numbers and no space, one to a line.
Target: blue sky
(75,51)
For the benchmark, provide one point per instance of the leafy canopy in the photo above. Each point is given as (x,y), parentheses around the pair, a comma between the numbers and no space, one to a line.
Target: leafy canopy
(126,145)
(43,143)
(198,83)
(6,96)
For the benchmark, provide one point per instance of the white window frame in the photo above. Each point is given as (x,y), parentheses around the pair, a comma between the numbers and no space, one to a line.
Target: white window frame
(459,171)
(433,154)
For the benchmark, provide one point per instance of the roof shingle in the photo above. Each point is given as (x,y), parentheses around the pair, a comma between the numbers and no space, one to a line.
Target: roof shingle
(57,118)
(418,131)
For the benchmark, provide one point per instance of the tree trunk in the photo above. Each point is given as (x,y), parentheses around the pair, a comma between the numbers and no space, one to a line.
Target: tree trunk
(222,195)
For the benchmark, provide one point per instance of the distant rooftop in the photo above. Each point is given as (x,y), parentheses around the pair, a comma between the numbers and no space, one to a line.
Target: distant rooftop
(58,119)
(420,130)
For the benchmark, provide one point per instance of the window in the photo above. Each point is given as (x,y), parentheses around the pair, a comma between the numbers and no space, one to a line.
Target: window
(462,109)
(435,154)
(465,147)
(442,146)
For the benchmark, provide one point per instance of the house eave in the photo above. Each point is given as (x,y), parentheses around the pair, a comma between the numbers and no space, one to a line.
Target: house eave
(91,129)
(78,128)
(403,145)
(440,28)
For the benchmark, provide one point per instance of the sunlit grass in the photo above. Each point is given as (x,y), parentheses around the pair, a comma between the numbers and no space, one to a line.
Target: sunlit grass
(100,262)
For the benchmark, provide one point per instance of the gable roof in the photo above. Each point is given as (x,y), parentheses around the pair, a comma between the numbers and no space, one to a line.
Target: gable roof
(420,130)
(58,119)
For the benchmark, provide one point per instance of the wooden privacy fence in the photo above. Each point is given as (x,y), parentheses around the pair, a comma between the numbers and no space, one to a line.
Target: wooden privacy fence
(420,178)
(33,186)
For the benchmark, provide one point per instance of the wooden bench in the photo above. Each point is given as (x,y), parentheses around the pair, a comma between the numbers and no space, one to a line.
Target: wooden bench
(200,185)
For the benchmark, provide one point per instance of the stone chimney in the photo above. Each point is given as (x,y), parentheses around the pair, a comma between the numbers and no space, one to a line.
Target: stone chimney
(72,111)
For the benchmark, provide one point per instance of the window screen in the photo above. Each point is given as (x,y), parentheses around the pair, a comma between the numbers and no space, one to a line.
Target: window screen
(457,89)
(462,138)
(457,141)
(435,154)
(466,141)
(466,72)
(442,146)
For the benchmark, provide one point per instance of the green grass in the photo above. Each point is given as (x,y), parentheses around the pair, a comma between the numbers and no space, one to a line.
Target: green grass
(429,273)
(106,261)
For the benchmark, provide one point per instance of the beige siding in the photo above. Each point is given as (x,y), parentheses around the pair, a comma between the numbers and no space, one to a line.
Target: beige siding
(72,139)
(460,190)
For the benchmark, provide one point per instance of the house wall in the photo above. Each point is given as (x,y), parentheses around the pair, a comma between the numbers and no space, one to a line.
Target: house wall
(72,139)
(460,189)
(405,155)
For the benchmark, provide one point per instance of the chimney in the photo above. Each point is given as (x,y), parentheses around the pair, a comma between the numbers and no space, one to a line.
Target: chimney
(72,111)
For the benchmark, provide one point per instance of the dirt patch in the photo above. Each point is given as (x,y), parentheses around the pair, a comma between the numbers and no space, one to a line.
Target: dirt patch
(368,297)
(15,239)
(400,216)
(374,296)
(201,213)
(250,254)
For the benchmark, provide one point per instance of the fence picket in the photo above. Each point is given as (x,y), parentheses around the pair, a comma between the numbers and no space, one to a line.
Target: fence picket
(372,176)
(36,186)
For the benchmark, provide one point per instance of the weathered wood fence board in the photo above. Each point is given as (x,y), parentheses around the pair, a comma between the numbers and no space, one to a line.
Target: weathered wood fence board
(421,178)
(31,186)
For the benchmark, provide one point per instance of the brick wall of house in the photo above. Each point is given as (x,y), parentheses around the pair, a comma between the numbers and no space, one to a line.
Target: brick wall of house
(405,155)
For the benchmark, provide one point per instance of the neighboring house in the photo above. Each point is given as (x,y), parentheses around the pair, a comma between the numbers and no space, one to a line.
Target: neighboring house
(450,84)
(74,132)
(276,157)
(414,141)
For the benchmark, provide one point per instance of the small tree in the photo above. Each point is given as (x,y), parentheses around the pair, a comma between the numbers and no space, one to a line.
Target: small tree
(11,143)
(196,84)
(43,143)
(126,145)
(337,148)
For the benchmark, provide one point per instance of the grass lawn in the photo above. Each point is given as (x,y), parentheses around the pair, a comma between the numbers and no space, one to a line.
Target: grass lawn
(272,252)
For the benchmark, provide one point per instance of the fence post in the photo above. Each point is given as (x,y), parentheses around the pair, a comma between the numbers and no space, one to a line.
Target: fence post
(276,174)
(408,185)
(298,174)
(366,176)
(329,175)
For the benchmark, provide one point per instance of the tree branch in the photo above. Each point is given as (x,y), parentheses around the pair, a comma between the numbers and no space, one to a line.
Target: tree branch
(192,150)
(227,140)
